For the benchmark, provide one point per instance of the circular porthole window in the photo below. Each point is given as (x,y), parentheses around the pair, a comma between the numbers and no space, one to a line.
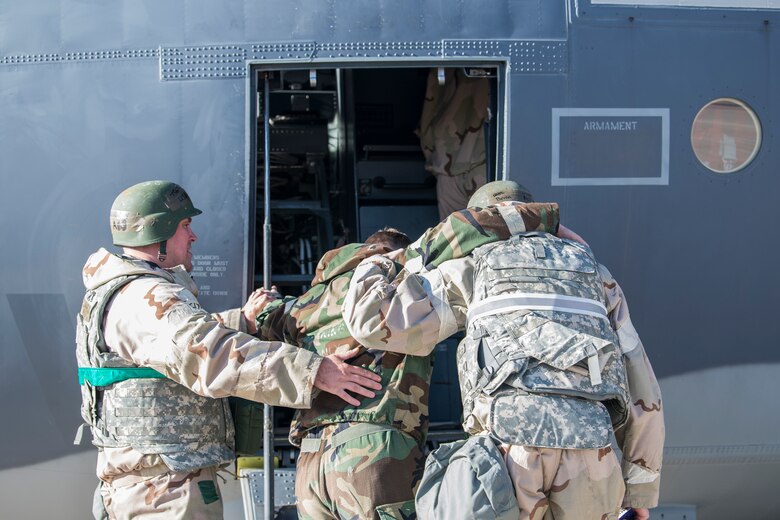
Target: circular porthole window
(726,135)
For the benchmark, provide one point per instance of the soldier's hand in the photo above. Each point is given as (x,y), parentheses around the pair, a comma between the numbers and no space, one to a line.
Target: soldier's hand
(640,513)
(255,305)
(564,232)
(337,377)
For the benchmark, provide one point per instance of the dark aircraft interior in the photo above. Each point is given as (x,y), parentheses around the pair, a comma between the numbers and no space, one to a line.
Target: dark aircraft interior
(344,162)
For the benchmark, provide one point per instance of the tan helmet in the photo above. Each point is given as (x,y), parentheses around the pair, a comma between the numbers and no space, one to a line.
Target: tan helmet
(148,213)
(499,191)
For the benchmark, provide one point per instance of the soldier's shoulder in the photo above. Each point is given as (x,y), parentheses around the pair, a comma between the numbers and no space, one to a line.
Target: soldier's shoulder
(166,299)
(157,289)
(150,281)
(606,276)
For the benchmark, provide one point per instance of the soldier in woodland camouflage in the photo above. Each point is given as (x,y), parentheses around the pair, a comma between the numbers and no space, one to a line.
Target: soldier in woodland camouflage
(345,450)
(452,136)
(550,365)
(365,461)
(154,366)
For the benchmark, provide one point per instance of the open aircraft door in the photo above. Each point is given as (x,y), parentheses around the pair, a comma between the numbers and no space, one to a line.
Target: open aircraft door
(335,155)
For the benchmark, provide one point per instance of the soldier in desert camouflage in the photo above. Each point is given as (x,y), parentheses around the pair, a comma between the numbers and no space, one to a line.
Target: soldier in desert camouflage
(452,136)
(550,365)
(154,366)
(365,461)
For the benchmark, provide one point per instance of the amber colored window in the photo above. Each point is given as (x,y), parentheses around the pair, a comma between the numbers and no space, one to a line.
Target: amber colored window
(726,135)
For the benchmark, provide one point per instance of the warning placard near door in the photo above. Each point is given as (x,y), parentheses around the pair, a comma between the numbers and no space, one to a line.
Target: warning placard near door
(610,146)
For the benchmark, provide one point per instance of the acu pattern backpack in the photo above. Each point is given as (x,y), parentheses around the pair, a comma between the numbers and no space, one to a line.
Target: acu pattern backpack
(540,357)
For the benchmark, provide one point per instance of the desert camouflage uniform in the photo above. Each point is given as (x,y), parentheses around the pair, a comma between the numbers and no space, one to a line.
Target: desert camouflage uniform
(452,136)
(409,313)
(154,320)
(365,461)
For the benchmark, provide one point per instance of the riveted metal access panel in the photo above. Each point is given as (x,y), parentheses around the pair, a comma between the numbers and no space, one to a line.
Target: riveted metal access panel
(230,61)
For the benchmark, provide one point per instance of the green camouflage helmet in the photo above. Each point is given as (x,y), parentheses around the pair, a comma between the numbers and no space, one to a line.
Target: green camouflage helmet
(149,212)
(499,191)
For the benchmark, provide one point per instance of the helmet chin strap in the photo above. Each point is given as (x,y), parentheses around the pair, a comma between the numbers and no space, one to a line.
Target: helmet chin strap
(162,254)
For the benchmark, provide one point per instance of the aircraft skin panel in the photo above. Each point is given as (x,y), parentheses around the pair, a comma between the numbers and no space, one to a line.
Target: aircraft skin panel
(61,487)
(621,68)
(214,164)
(722,449)
(30,27)
(74,26)
(74,133)
(740,4)
(44,365)
(404,21)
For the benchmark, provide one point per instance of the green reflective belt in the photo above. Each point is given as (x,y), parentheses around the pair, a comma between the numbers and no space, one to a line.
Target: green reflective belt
(109,376)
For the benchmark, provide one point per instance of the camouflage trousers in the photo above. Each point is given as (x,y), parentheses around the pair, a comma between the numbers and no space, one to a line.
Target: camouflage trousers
(560,484)
(159,494)
(453,192)
(358,471)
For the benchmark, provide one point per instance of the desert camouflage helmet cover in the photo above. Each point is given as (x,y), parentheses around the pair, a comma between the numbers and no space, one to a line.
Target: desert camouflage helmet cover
(149,212)
(499,191)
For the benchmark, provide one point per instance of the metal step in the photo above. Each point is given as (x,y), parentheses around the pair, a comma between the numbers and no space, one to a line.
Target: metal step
(253,495)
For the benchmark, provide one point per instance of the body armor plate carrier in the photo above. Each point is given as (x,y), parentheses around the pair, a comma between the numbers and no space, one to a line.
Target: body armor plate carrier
(153,415)
(540,357)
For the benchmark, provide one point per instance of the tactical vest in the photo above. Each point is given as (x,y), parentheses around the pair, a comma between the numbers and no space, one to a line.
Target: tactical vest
(133,407)
(541,361)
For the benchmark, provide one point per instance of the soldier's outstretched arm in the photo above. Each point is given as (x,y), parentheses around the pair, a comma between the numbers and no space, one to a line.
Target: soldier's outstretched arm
(244,319)
(642,438)
(161,325)
(274,322)
(426,303)
(408,313)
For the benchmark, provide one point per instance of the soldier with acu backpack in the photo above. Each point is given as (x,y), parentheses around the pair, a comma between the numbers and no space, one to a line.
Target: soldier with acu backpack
(550,369)
(366,461)
(155,368)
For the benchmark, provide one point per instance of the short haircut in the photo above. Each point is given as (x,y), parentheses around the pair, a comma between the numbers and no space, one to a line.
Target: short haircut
(389,237)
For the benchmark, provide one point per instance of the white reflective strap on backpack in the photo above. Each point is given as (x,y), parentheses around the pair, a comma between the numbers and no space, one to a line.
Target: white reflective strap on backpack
(536,302)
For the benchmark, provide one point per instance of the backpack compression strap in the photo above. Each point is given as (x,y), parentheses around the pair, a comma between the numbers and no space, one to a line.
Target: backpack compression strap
(536,302)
